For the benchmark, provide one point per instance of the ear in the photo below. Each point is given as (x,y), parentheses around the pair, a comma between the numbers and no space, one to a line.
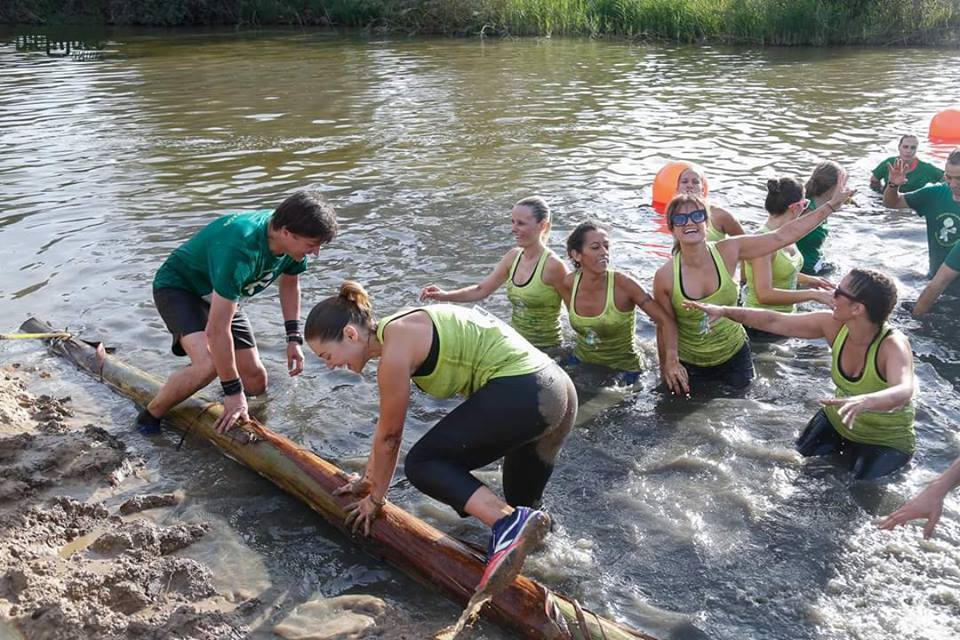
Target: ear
(350,333)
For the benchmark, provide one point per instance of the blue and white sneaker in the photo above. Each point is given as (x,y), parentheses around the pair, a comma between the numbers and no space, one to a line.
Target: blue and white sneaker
(514,536)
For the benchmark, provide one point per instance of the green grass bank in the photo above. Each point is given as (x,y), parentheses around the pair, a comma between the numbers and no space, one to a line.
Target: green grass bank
(774,22)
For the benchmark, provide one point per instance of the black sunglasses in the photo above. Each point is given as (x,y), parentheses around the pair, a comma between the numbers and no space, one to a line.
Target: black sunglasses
(681,219)
(846,294)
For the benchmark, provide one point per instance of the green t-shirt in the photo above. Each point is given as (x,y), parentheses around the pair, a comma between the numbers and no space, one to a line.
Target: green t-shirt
(953,258)
(942,213)
(810,246)
(920,176)
(229,256)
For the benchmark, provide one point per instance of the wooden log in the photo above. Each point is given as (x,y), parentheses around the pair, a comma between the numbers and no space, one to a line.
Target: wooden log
(419,550)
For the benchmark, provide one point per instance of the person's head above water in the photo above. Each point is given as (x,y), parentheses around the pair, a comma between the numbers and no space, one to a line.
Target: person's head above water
(865,292)
(825,177)
(588,245)
(907,147)
(339,328)
(782,195)
(303,223)
(692,182)
(530,220)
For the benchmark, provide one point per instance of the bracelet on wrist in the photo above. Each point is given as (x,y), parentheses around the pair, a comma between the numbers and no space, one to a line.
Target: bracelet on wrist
(894,185)
(291,326)
(231,387)
(382,501)
(295,337)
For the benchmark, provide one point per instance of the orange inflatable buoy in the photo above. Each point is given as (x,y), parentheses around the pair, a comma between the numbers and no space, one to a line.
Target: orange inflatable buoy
(665,184)
(945,126)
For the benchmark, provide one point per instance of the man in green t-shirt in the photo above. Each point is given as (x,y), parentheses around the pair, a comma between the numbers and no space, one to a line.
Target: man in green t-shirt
(919,173)
(198,290)
(938,205)
(942,279)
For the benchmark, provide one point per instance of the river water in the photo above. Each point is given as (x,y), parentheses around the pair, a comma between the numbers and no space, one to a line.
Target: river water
(689,519)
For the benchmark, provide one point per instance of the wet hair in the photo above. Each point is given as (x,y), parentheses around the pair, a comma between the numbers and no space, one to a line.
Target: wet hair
(538,206)
(905,136)
(781,193)
(577,237)
(306,213)
(875,291)
(327,319)
(954,157)
(825,176)
(695,172)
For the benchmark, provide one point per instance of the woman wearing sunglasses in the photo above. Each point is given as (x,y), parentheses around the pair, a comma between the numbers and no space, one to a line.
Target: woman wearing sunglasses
(602,305)
(773,279)
(532,272)
(869,420)
(703,271)
(720,222)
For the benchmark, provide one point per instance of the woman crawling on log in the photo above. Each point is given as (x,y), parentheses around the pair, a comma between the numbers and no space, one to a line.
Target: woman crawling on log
(519,406)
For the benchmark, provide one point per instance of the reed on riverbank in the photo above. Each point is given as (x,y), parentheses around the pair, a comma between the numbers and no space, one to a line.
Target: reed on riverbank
(777,22)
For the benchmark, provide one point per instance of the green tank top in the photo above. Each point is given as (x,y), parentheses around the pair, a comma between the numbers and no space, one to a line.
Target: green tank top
(810,246)
(786,269)
(697,344)
(890,429)
(475,347)
(713,234)
(606,339)
(536,305)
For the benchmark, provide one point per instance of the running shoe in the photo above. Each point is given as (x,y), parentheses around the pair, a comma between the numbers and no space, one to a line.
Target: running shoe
(514,536)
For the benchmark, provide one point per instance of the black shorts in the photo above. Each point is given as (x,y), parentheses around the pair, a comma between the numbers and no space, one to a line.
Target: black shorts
(184,313)
(866,461)
(737,372)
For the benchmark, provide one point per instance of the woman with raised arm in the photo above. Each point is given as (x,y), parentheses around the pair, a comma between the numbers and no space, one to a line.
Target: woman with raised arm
(532,272)
(773,279)
(823,183)
(602,304)
(869,421)
(917,173)
(703,271)
(519,407)
(720,222)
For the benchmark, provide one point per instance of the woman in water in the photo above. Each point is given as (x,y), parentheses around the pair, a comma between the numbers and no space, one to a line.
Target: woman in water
(720,222)
(919,173)
(772,280)
(519,407)
(602,304)
(703,271)
(533,274)
(821,186)
(869,421)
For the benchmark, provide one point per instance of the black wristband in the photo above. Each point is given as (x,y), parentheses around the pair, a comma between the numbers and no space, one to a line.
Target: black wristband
(894,185)
(231,387)
(291,326)
(295,337)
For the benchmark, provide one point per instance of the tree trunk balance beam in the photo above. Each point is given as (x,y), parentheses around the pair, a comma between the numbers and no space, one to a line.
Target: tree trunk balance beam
(411,545)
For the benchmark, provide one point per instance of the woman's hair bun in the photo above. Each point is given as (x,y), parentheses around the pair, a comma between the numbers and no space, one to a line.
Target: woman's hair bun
(773,185)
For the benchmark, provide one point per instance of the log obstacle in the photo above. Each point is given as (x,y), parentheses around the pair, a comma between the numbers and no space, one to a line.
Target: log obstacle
(419,550)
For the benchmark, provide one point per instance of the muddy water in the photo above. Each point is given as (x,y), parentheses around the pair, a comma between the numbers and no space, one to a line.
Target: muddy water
(691,519)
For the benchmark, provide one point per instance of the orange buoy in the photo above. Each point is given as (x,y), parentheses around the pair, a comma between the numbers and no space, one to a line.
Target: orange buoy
(665,184)
(945,126)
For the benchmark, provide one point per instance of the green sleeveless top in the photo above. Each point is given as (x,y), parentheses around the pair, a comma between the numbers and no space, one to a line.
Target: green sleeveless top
(606,339)
(786,269)
(697,344)
(536,305)
(713,234)
(475,347)
(810,246)
(890,429)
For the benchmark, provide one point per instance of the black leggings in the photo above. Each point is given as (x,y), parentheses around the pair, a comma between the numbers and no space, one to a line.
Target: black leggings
(522,419)
(866,461)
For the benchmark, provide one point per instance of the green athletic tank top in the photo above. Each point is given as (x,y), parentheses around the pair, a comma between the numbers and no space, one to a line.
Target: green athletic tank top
(536,305)
(786,269)
(713,234)
(475,347)
(890,429)
(810,246)
(699,345)
(606,339)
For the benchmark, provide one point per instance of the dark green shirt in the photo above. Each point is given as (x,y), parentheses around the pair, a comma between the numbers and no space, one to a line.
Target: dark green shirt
(921,175)
(230,256)
(942,213)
